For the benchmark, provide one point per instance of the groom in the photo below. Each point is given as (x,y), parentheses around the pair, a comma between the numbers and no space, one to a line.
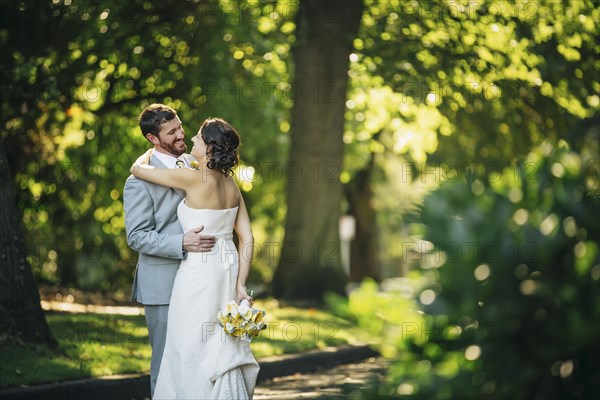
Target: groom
(153,229)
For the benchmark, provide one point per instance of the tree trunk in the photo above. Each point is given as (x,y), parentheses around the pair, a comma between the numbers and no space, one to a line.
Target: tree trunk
(21,316)
(364,257)
(310,255)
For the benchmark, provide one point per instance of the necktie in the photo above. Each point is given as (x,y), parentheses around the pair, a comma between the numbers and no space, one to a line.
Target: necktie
(179,163)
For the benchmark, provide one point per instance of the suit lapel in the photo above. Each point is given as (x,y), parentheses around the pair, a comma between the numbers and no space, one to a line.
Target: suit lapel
(155,162)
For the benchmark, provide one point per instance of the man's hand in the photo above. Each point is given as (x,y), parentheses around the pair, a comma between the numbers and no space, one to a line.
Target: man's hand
(195,242)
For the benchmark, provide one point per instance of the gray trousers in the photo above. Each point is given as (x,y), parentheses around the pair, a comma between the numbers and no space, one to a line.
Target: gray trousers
(156,319)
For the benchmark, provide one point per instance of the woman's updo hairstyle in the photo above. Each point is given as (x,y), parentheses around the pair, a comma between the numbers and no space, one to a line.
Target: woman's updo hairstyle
(222,142)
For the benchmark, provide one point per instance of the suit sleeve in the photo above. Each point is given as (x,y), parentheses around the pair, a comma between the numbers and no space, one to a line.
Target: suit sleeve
(140,226)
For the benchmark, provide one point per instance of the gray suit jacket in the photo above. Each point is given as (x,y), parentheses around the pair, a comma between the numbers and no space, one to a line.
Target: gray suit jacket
(153,230)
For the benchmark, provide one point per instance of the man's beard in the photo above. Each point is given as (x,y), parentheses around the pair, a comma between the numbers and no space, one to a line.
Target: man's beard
(172,149)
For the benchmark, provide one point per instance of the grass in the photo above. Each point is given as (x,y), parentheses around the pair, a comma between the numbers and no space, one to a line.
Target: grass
(94,345)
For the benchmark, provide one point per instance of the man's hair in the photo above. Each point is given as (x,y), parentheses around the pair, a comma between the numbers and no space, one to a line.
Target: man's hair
(154,116)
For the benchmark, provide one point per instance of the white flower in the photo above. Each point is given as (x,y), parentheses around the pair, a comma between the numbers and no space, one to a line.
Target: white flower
(245,310)
(243,307)
(231,309)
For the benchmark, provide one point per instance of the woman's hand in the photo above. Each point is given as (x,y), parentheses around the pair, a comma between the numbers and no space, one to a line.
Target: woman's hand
(143,159)
(242,294)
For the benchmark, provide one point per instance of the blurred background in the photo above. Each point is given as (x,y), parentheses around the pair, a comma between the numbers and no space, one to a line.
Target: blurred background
(427,169)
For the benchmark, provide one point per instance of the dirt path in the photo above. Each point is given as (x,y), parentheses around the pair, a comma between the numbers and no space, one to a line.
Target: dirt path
(328,383)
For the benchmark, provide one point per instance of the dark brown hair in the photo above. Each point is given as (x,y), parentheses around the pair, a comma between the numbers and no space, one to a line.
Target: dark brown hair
(154,116)
(222,142)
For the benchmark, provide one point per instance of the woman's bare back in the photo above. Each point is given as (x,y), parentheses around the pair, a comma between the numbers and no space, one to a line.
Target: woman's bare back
(214,191)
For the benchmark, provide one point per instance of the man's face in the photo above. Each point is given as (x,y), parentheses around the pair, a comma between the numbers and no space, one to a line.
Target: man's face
(170,137)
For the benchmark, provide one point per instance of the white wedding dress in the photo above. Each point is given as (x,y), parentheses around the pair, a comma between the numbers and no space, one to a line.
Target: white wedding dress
(200,361)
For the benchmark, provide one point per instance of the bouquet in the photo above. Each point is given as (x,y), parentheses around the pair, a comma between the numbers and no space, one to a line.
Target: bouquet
(242,321)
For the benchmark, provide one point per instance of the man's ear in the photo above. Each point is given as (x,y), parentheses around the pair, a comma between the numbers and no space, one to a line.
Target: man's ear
(152,139)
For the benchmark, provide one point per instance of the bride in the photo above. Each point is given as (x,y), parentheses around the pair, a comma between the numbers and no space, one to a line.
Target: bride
(200,361)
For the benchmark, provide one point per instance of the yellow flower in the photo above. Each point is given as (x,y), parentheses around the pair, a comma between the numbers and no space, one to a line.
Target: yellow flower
(195,165)
(223,319)
(238,319)
(237,332)
(258,317)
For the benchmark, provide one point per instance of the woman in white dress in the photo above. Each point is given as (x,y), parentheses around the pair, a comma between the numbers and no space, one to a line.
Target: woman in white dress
(200,361)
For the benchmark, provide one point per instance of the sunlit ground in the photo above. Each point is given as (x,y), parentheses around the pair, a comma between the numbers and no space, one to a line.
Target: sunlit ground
(101,340)
(334,382)
(69,307)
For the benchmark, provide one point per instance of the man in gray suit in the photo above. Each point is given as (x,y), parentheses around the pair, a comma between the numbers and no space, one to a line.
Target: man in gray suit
(153,229)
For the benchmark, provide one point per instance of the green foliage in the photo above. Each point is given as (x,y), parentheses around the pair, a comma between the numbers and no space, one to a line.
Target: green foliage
(449,82)
(390,314)
(462,85)
(74,78)
(521,279)
(512,310)
(505,75)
